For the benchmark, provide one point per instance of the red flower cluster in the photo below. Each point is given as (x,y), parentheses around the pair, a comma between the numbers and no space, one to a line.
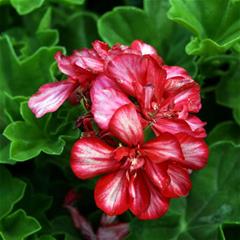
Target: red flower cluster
(130,90)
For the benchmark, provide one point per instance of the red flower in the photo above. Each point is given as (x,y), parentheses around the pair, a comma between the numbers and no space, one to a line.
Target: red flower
(166,96)
(139,176)
(81,68)
(128,88)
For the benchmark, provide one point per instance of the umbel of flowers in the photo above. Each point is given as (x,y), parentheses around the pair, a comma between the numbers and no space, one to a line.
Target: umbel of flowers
(129,92)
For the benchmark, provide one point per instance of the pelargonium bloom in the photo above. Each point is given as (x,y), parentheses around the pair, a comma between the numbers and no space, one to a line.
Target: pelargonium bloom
(129,91)
(140,176)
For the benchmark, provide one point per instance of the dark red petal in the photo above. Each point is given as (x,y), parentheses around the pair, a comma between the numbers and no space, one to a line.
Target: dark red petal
(91,157)
(50,97)
(126,126)
(162,148)
(81,223)
(139,197)
(158,204)
(105,101)
(115,232)
(195,151)
(111,193)
(108,220)
(157,173)
(180,183)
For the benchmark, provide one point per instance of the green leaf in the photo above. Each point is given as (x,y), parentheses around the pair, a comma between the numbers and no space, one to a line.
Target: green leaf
(74,2)
(227,91)
(18,226)
(24,77)
(46,237)
(11,191)
(172,38)
(79,31)
(125,24)
(25,6)
(5,151)
(225,131)
(32,136)
(214,199)
(216,24)
(236,114)
(63,225)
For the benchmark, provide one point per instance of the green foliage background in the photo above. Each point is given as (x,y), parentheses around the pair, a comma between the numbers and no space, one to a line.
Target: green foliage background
(202,36)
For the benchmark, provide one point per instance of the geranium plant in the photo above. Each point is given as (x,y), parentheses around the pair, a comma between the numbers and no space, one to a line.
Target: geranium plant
(119,120)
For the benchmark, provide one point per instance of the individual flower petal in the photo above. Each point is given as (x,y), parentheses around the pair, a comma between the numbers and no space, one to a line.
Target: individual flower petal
(67,65)
(105,101)
(177,72)
(50,97)
(195,151)
(180,183)
(139,197)
(117,232)
(91,157)
(81,223)
(146,49)
(197,126)
(126,126)
(172,126)
(187,98)
(127,70)
(90,63)
(101,48)
(162,148)
(111,193)
(158,204)
(157,173)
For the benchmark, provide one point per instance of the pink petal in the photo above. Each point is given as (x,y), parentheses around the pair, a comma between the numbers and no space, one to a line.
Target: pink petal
(195,151)
(180,183)
(91,157)
(146,49)
(50,97)
(127,70)
(101,48)
(197,126)
(126,126)
(67,65)
(172,126)
(92,63)
(114,232)
(157,173)
(162,148)
(175,71)
(102,82)
(105,101)
(133,72)
(139,196)
(186,98)
(81,223)
(158,204)
(111,193)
